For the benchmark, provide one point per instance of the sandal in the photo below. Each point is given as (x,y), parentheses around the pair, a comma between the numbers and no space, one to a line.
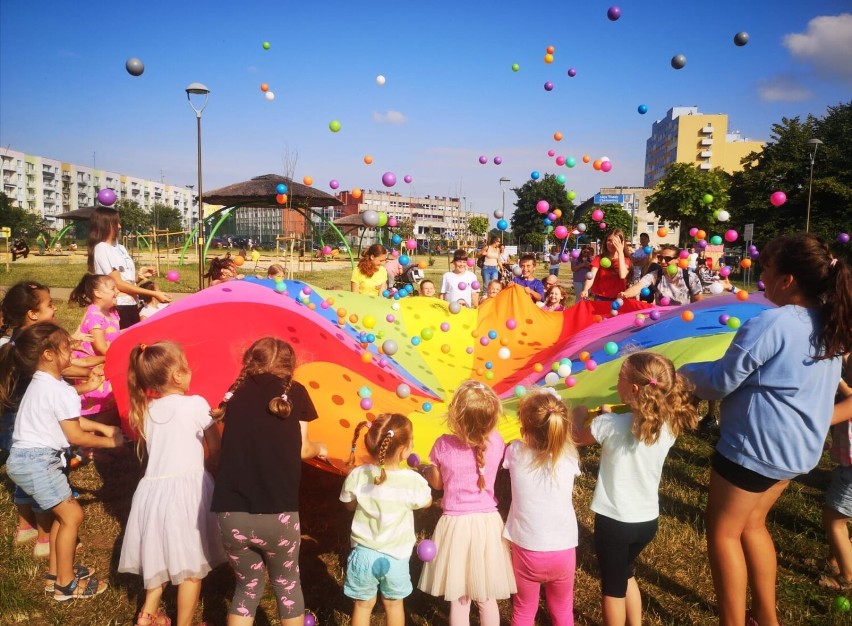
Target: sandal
(835,582)
(73,590)
(160,619)
(81,572)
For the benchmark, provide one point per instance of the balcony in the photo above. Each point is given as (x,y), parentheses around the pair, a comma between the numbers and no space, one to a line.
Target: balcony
(48,175)
(707,130)
(706,154)
(707,141)
(705,166)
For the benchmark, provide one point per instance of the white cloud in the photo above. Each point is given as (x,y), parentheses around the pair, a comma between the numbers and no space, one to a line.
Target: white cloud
(783,88)
(391,117)
(826,45)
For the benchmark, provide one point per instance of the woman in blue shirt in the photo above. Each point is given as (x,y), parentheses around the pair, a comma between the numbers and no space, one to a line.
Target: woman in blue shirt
(776,382)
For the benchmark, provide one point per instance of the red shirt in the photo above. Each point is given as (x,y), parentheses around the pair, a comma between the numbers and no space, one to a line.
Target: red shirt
(608,283)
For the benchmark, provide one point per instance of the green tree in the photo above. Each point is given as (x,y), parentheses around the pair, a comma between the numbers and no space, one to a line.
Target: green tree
(22,222)
(679,197)
(527,223)
(615,216)
(133,217)
(164,217)
(477,227)
(785,165)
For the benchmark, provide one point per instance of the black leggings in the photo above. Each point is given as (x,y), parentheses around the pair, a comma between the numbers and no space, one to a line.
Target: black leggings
(128,315)
(258,542)
(617,544)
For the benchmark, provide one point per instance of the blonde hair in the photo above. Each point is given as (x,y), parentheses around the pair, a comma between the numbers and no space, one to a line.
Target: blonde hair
(662,397)
(471,416)
(387,435)
(150,371)
(268,355)
(547,427)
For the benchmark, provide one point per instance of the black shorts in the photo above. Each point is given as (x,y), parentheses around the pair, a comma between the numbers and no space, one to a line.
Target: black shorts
(128,315)
(617,544)
(741,477)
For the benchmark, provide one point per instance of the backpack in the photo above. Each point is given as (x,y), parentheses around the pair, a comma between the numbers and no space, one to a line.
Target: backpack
(480,262)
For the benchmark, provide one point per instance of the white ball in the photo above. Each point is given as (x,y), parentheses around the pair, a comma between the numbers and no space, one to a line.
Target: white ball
(269,96)
(716,289)
(723,216)
(380,80)
(504,353)
(395,306)
(551,379)
(498,214)
(564,371)
(604,158)
(516,270)
(581,227)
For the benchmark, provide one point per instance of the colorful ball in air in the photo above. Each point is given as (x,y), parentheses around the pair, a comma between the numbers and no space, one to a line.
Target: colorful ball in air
(535,175)
(172,276)
(548,58)
(571,195)
(716,240)
(520,391)
(269,96)
(413,460)
(742,295)
(483,159)
(572,72)
(411,244)
(281,188)
(333,184)
(266,45)
(613,13)
(389,179)
(404,259)
(515,67)
(542,206)
(426,550)
(843,238)
(264,87)
(741,38)
(678,61)
(687,316)
(560,232)
(106,197)
(380,80)
(733,323)
(606,263)
(366,403)
(606,166)
(731,236)
(390,347)
(548,86)
(426,406)
(597,164)
(597,215)
(134,66)
(310,620)
(591,365)
(334,126)
(642,108)
(707,198)
(560,178)
(778,198)
(724,271)
(570,161)
(403,390)
(307,180)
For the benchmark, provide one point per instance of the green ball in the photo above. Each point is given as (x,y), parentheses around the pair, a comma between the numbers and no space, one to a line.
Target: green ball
(334,126)
(672,269)
(716,240)
(571,194)
(560,178)
(427,333)
(606,263)
(707,199)
(733,324)
(841,603)
(611,348)
(266,45)
(515,67)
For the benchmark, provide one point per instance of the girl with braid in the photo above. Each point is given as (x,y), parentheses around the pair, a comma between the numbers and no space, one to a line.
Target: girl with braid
(256,497)
(171,535)
(473,562)
(383,496)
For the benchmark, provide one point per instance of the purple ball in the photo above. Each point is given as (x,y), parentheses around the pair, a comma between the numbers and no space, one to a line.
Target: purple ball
(106,197)
(613,13)
(564,257)
(575,254)
(427,550)
(654,315)
(498,160)
(483,159)
(548,86)
(310,620)
(389,179)
(572,72)
(843,238)
(413,460)
(723,319)
(701,244)
(761,286)
(333,184)
(407,178)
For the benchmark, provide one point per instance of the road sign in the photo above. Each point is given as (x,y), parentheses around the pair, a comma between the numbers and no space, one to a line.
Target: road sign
(748,232)
(609,198)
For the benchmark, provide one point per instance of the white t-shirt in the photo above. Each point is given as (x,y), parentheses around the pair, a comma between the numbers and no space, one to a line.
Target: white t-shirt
(148,310)
(46,402)
(109,257)
(542,516)
(450,286)
(629,476)
(174,433)
(692,260)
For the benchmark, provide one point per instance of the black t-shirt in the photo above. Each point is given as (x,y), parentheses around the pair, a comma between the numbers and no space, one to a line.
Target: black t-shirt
(260,466)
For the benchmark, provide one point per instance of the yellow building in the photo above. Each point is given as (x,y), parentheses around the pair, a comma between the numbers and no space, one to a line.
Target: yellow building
(686,135)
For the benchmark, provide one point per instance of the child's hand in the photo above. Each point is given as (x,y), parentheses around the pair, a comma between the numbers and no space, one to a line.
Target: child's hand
(79,337)
(162,296)
(146,273)
(117,438)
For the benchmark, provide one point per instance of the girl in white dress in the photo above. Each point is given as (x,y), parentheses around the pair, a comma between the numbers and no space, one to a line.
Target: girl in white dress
(171,535)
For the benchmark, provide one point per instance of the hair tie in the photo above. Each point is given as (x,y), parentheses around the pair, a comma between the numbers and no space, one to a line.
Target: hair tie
(228,395)
(390,433)
(142,347)
(652,381)
(284,397)
(482,471)
(833,262)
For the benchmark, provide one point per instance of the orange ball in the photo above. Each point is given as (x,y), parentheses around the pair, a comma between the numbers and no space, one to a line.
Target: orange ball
(683,263)
(662,231)
(281,198)
(353,319)
(585,356)
(597,164)
(700,235)
(238,260)
(742,295)
(538,367)
(264,87)
(687,316)
(586,158)
(366,357)
(445,349)
(597,319)
(550,50)
(308,181)
(341,312)
(422,265)
(356,193)
(557,213)
(330,301)
(745,264)
(504,341)
(368,159)
(557,136)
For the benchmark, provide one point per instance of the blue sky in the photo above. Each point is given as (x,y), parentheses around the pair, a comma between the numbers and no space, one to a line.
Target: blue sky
(450,94)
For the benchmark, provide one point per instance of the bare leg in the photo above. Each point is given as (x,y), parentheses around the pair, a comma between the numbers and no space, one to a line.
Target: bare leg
(614,611)
(633,603)
(394,611)
(187,601)
(362,611)
(839,548)
(63,538)
(151,605)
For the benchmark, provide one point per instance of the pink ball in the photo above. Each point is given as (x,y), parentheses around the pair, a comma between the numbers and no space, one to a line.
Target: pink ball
(511,324)
(693,231)
(475,285)
(606,166)
(684,254)
(570,381)
(389,179)
(445,326)
(560,232)
(390,318)
(498,160)
(564,257)
(172,276)
(392,222)
(551,153)
(591,365)
(326,250)
(602,225)
(471,262)
(483,159)
(778,198)
(366,404)
(543,206)
(411,244)
(333,184)
(560,160)
(664,301)
(462,286)
(731,236)
(724,271)
(597,215)
(427,550)
(407,178)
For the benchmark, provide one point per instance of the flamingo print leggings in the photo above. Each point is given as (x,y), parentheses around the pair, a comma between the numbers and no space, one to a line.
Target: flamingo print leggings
(256,543)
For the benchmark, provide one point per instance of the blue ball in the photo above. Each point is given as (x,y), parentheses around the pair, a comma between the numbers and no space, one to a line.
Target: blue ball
(492,334)
(643,108)
(615,305)
(404,260)
(502,225)
(427,406)
(281,188)
(645,292)
(547,221)
(535,175)
(386,294)
(415,341)
(489,365)
(396,296)
(648,249)
(396,240)
(370,337)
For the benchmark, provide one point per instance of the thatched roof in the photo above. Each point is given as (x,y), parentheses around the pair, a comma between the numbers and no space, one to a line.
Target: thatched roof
(349,224)
(260,192)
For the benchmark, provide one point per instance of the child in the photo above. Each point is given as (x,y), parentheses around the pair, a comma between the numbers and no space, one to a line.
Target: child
(256,495)
(608,274)
(222,269)
(634,446)
(542,525)
(369,276)
(456,285)
(27,303)
(492,289)
(533,287)
(554,299)
(170,536)
(48,421)
(98,292)
(427,288)
(275,272)
(777,382)
(553,261)
(152,305)
(473,562)
(383,497)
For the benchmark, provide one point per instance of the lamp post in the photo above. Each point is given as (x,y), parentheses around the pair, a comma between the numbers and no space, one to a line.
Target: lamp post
(197,89)
(816,143)
(503,179)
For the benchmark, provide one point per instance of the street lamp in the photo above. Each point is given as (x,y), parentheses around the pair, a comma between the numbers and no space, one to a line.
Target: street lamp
(816,143)
(503,179)
(197,89)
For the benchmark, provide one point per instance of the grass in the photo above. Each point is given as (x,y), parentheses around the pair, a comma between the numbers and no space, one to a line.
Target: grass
(672,572)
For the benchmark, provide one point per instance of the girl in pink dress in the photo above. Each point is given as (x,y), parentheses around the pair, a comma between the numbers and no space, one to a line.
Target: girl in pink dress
(473,562)
(97,292)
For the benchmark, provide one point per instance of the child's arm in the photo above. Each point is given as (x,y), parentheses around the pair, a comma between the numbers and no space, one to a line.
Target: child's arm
(582,427)
(94,380)
(432,474)
(91,426)
(77,436)
(351,505)
(214,446)
(310,449)
(99,341)
(84,362)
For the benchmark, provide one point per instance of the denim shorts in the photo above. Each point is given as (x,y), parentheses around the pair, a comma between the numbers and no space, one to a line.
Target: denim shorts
(839,493)
(367,569)
(40,473)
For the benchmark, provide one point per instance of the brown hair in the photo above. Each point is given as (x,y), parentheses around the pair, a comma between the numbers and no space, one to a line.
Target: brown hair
(21,298)
(150,285)
(84,293)
(365,264)
(275,270)
(663,396)
(268,355)
(471,416)
(824,280)
(149,372)
(387,435)
(218,265)
(20,359)
(103,224)
(547,427)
